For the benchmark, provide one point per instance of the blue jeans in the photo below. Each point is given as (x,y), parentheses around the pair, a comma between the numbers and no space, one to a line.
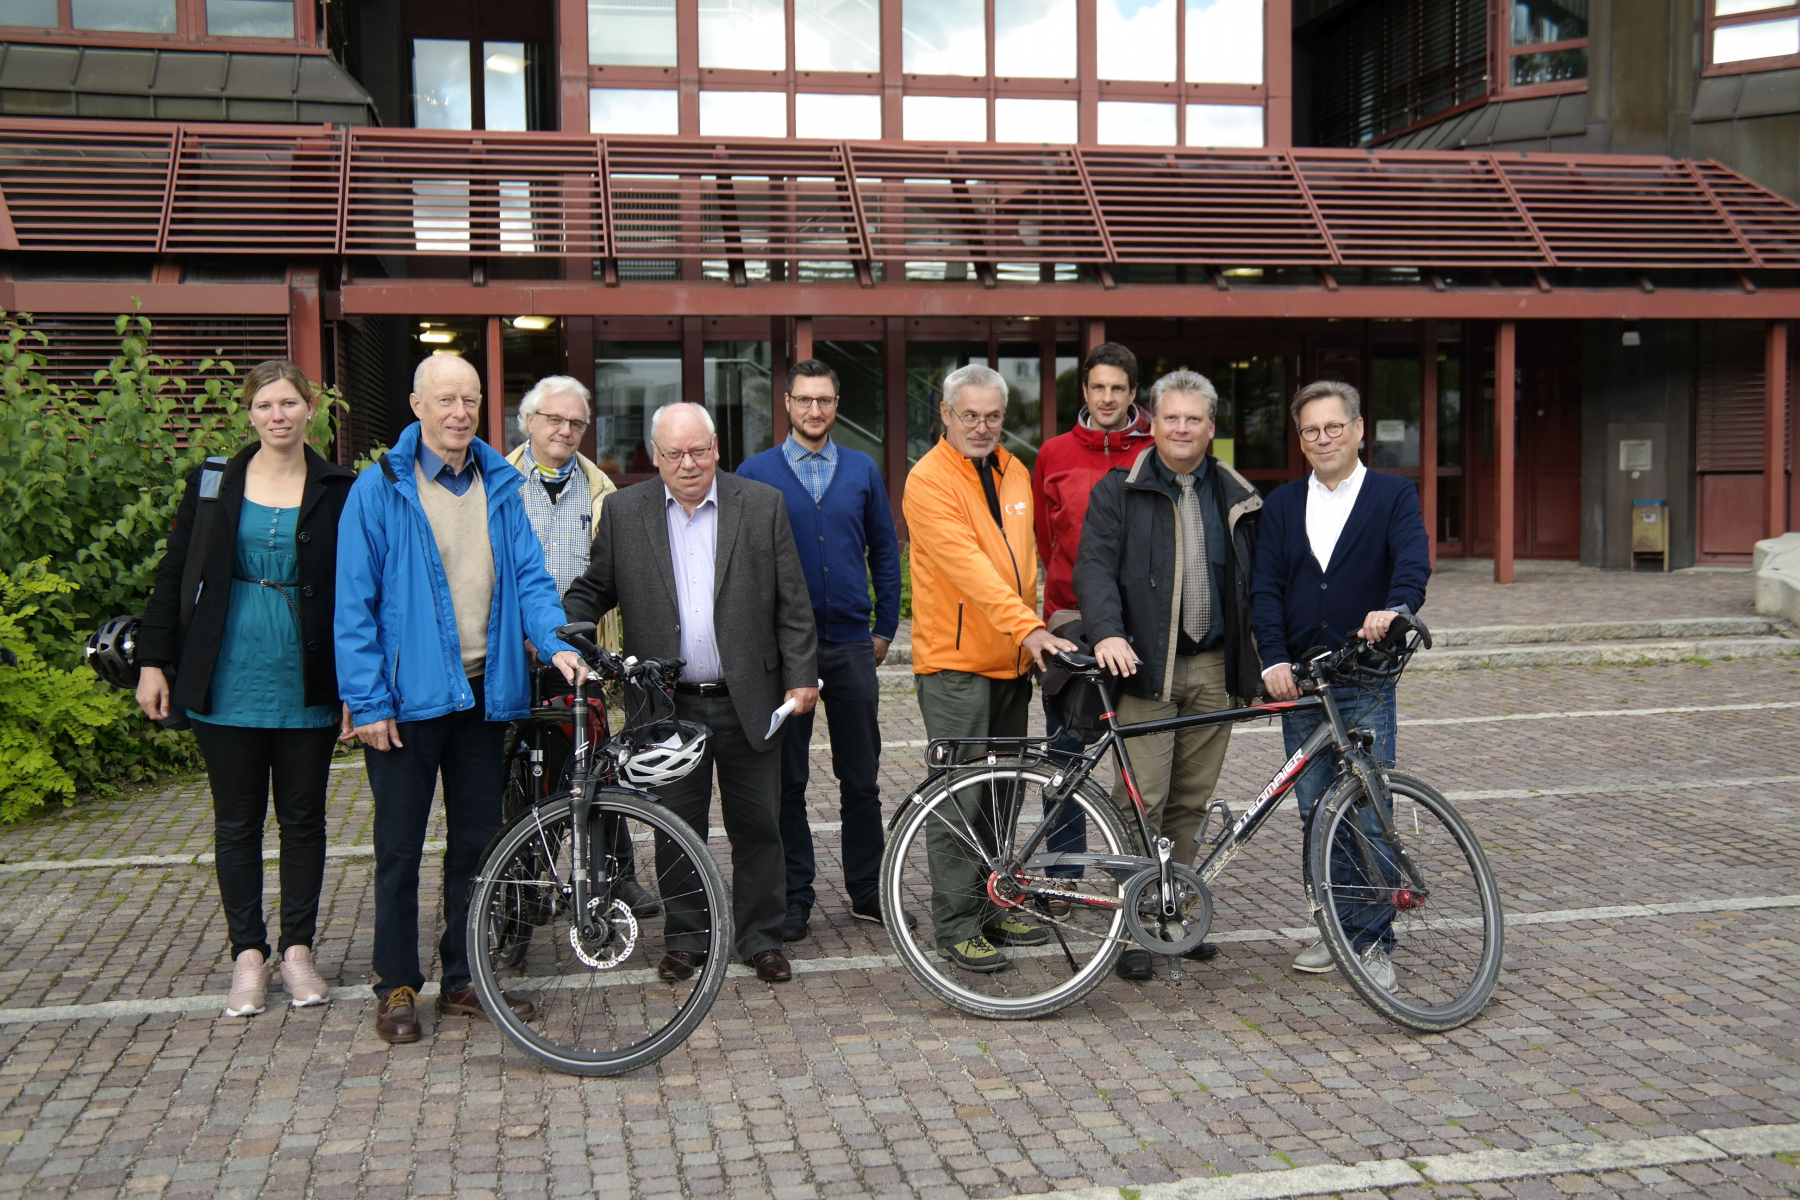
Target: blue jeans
(852,695)
(1069,834)
(1366,923)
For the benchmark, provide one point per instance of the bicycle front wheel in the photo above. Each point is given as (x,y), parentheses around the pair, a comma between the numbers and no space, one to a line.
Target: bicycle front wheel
(1412,918)
(1055,937)
(602,1008)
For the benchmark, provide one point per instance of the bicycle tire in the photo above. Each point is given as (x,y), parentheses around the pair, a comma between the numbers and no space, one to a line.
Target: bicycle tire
(1447,943)
(515,802)
(578,1004)
(1014,994)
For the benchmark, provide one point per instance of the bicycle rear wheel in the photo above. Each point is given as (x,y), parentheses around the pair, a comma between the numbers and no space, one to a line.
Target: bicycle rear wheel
(601,1007)
(1440,925)
(937,866)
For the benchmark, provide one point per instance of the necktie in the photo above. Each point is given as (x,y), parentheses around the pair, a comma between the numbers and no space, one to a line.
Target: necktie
(1196,572)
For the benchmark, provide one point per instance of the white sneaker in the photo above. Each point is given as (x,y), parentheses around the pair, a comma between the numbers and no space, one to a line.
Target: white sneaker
(1315,959)
(1381,968)
(301,978)
(249,985)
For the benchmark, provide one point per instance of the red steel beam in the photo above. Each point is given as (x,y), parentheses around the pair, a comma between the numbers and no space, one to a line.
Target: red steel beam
(239,299)
(1775,402)
(1428,432)
(1505,343)
(496,387)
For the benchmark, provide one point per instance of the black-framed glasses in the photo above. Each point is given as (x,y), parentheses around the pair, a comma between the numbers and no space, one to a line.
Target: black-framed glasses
(822,403)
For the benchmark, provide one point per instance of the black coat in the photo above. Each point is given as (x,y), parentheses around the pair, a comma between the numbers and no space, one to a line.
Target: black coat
(160,643)
(1126,574)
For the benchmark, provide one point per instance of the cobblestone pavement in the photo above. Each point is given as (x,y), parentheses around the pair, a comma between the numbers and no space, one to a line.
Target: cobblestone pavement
(1605,1028)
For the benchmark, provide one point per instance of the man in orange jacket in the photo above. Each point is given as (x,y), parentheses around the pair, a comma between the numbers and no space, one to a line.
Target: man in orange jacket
(976,632)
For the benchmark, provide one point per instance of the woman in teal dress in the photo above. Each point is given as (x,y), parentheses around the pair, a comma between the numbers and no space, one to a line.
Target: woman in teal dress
(251,664)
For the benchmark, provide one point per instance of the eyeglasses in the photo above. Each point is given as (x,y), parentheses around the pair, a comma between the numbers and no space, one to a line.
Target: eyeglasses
(677,457)
(575,424)
(1332,432)
(971,421)
(822,403)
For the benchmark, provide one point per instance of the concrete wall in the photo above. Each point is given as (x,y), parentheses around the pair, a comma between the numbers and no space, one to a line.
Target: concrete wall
(1643,391)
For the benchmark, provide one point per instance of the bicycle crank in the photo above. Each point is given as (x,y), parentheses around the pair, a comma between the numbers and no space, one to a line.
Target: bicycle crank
(1174,928)
(618,936)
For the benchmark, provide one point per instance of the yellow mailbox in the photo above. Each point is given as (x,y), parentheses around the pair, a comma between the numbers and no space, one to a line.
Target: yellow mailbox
(1650,530)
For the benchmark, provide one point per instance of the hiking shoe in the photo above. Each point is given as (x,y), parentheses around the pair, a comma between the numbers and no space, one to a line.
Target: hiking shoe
(1315,959)
(1381,968)
(977,954)
(305,987)
(249,985)
(1010,931)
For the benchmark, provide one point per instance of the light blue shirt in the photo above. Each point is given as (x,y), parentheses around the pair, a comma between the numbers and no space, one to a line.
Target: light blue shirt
(813,468)
(437,469)
(692,543)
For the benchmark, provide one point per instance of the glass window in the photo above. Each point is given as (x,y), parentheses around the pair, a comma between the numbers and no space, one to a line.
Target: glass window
(1393,428)
(944,118)
(631,33)
(1551,66)
(1131,123)
(1763,39)
(250,18)
(503,85)
(1252,423)
(1034,39)
(943,37)
(1137,39)
(123,16)
(39,13)
(743,114)
(1536,22)
(862,394)
(1225,41)
(1726,8)
(819,115)
(1022,368)
(442,94)
(1035,120)
(1224,125)
(837,35)
(633,110)
(738,394)
(631,381)
(744,35)
(927,363)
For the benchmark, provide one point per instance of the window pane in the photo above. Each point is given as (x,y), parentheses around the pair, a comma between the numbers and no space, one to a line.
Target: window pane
(743,114)
(631,33)
(442,97)
(837,35)
(738,394)
(862,391)
(40,13)
(1034,120)
(633,110)
(1252,412)
(250,18)
(1727,8)
(1765,39)
(503,84)
(943,37)
(1393,431)
(631,381)
(944,118)
(1034,39)
(1130,123)
(817,115)
(1535,22)
(1224,125)
(1225,41)
(744,35)
(1549,66)
(1137,39)
(123,16)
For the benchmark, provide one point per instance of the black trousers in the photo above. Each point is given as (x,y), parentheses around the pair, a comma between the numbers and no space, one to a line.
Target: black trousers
(241,764)
(750,803)
(467,751)
(852,696)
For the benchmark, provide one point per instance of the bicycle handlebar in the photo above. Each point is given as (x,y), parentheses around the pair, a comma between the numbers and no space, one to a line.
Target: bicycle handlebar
(581,634)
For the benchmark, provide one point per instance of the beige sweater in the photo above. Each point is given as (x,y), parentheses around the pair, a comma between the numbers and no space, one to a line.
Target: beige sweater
(459,526)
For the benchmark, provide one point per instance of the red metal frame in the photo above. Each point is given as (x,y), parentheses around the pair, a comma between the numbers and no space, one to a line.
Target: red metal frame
(1713,22)
(190,30)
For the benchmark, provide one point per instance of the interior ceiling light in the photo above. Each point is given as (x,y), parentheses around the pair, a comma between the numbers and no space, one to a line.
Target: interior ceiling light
(506,64)
(533,321)
(426,324)
(1242,272)
(437,337)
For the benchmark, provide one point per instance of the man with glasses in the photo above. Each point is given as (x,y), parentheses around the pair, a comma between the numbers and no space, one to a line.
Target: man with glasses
(702,566)
(844,531)
(1339,552)
(976,634)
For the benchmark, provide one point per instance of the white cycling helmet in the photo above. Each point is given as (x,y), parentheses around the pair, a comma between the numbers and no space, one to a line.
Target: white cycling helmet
(651,755)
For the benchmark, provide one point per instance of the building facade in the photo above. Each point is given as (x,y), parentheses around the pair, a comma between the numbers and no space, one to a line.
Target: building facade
(1462,206)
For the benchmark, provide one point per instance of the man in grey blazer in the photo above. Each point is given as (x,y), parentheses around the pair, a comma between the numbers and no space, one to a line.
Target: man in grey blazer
(702,565)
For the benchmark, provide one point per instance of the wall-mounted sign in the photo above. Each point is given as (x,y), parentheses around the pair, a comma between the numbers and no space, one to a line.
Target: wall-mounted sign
(1390,431)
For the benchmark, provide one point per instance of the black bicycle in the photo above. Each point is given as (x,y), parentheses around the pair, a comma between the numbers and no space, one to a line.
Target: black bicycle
(1398,884)
(559,907)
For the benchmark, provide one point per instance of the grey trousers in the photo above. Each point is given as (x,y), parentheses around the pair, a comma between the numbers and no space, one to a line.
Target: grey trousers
(957,704)
(1177,772)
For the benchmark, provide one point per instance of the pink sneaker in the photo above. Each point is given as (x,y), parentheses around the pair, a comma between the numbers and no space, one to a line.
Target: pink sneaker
(301,979)
(249,985)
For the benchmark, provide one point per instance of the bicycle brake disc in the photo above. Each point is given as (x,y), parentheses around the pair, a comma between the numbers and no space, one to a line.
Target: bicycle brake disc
(615,946)
(1160,931)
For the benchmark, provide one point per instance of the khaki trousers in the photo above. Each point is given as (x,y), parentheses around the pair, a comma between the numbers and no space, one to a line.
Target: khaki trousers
(1176,772)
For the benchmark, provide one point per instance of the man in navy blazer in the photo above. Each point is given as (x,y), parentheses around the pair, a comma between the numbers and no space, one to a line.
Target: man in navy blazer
(1339,552)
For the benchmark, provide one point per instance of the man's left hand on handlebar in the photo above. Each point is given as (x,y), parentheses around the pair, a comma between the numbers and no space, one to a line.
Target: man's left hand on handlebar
(1116,655)
(570,664)
(1375,625)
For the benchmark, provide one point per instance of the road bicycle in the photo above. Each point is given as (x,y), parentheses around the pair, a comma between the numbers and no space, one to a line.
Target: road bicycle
(560,909)
(1388,862)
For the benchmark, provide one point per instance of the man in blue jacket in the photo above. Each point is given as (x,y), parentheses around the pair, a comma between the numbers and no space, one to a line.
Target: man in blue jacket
(439,582)
(1339,553)
(844,529)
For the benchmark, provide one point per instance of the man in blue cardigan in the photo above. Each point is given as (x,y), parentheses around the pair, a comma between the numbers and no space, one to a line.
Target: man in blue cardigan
(844,529)
(1339,552)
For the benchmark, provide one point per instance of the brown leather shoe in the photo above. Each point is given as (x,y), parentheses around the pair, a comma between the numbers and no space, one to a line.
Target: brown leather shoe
(772,967)
(466,1002)
(397,1016)
(677,965)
